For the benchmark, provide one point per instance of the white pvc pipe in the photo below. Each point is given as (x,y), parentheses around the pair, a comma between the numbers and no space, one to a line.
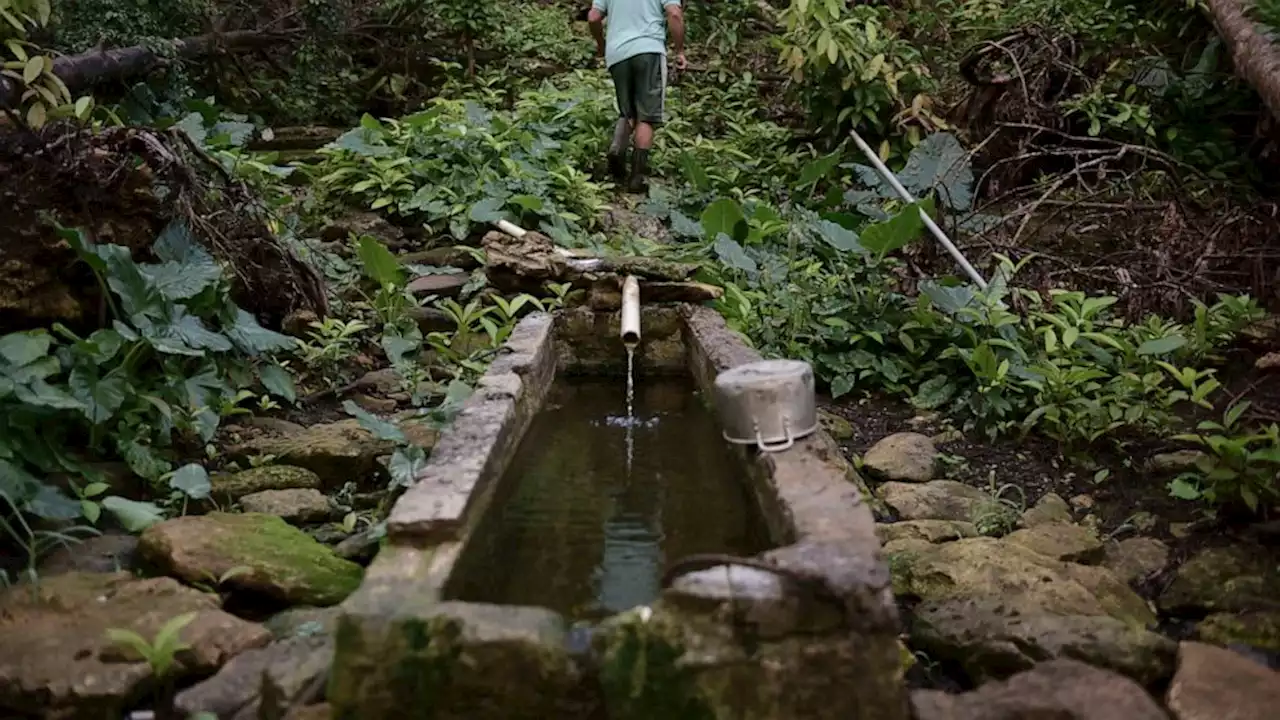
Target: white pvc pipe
(511,229)
(941,236)
(630,332)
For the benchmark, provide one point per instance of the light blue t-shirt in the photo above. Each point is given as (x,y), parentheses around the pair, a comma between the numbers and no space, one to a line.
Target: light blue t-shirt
(633,27)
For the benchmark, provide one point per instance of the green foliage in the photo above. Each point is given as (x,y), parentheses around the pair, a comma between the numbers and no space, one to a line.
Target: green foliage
(458,165)
(1238,467)
(173,362)
(853,68)
(408,459)
(161,652)
(824,287)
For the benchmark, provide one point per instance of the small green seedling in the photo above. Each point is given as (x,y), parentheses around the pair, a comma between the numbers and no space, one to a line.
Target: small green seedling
(161,652)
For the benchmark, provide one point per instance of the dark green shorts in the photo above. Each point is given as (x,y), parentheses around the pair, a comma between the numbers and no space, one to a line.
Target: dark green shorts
(640,82)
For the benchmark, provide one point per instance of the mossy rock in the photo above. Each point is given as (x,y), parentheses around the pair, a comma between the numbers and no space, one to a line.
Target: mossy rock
(270,557)
(1222,579)
(234,486)
(1259,630)
(974,568)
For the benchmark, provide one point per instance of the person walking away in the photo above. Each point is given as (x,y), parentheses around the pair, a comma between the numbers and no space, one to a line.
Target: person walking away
(635,51)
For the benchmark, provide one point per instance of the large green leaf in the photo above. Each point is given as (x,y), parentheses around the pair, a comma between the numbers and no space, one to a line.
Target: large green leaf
(181,333)
(253,339)
(940,164)
(818,169)
(733,255)
(380,428)
(133,515)
(278,381)
(38,392)
(23,348)
(50,503)
(124,277)
(406,464)
(488,210)
(884,237)
(142,460)
(179,281)
(379,264)
(101,397)
(192,480)
(724,216)
(1162,345)
(839,237)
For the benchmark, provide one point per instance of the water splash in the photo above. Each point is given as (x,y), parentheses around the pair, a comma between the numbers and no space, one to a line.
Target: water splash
(631,416)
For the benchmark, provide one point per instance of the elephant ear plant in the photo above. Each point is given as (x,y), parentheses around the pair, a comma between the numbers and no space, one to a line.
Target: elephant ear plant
(173,359)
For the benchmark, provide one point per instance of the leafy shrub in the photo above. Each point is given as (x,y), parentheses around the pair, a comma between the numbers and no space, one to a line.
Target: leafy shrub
(1237,467)
(459,165)
(170,366)
(852,68)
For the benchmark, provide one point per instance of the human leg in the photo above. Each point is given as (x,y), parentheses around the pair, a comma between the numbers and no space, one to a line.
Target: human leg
(624,92)
(650,96)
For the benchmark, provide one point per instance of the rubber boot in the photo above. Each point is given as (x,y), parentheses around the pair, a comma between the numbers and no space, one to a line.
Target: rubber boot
(618,164)
(639,168)
(618,149)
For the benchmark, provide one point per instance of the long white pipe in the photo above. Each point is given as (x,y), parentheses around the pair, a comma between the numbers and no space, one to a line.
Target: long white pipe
(630,332)
(892,179)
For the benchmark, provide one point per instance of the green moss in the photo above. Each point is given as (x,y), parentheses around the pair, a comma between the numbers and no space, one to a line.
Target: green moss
(640,676)
(1256,629)
(282,561)
(272,477)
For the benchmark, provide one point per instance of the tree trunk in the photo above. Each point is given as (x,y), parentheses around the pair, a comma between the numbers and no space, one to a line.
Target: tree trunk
(1256,59)
(81,71)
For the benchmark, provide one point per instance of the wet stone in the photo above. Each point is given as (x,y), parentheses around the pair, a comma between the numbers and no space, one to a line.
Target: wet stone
(273,676)
(70,669)
(1049,510)
(1071,543)
(1136,559)
(101,554)
(991,639)
(1224,579)
(271,557)
(1213,683)
(294,506)
(1055,690)
(1260,629)
(904,457)
(936,500)
(254,480)
(931,531)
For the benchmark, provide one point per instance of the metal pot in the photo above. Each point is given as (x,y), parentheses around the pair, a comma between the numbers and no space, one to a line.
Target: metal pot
(769,404)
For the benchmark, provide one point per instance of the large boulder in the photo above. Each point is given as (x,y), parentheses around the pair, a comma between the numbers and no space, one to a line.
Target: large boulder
(936,500)
(1136,559)
(338,452)
(1213,683)
(988,641)
(1226,578)
(56,659)
(271,557)
(1057,690)
(905,457)
(1060,541)
(1021,578)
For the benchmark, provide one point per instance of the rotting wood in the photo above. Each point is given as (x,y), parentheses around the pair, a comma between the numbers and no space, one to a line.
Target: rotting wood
(1256,58)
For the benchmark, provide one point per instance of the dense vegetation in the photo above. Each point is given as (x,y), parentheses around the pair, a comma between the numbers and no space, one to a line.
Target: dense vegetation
(1003,118)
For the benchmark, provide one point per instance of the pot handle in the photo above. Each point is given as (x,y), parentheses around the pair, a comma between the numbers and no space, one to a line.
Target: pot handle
(785,444)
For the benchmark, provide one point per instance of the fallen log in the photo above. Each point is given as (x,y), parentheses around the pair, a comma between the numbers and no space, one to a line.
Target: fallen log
(82,71)
(1256,58)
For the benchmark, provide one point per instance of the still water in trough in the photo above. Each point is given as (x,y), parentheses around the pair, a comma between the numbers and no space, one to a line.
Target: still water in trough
(602,494)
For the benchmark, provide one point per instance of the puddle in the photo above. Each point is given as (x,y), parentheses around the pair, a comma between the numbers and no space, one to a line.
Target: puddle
(600,498)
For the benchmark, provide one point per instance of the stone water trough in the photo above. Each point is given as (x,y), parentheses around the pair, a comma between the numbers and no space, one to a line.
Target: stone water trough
(817,638)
